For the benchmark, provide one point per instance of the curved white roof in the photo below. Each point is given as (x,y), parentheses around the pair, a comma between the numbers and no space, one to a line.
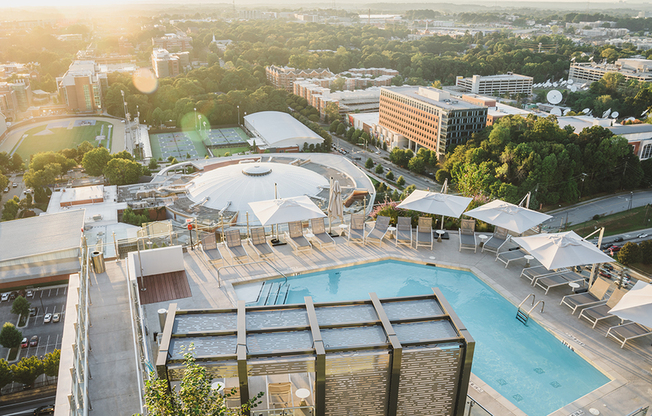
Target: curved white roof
(250,182)
(279,129)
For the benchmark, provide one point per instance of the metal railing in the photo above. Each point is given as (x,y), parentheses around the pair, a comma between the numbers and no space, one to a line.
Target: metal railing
(642,411)
(288,411)
(78,398)
(474,408)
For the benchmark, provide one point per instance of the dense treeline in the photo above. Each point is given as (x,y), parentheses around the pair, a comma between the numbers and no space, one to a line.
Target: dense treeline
(518,155)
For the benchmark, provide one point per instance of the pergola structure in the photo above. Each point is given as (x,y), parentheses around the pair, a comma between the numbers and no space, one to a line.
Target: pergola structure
(394,356)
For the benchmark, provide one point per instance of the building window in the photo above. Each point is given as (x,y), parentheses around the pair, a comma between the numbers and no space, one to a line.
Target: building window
(647,152)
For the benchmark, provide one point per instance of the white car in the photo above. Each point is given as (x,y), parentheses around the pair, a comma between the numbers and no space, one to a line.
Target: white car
(47,318)
(56,317)
(644,235)
(5,296)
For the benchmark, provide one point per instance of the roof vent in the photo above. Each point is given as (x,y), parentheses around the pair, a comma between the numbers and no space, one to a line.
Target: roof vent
(257,170)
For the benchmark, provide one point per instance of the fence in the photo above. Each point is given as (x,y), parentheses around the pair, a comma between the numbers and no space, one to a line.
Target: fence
(640,411)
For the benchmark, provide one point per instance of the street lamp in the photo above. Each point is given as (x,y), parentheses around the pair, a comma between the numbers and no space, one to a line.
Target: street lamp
(238,123)
(195,119)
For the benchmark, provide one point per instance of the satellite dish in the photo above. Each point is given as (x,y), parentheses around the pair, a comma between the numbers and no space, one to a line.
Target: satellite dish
(644,112)
(566,111)
(615,114)
(606,113)
(563,82)
(570,82)
(586,110)
(573,88)
(555,111)
(630,119)
(555,84)
(554,97)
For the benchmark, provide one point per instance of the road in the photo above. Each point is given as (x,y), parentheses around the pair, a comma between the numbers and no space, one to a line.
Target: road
(585,211)
(420,182)
(12,191)
(25,408)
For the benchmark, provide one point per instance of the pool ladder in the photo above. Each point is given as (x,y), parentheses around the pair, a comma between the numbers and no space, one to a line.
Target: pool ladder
(522,315)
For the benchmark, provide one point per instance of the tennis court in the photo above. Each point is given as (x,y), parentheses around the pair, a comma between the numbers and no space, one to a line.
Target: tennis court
(64,134)
(180,145)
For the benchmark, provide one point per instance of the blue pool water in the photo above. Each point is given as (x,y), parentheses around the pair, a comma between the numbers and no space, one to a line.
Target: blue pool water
(525,364)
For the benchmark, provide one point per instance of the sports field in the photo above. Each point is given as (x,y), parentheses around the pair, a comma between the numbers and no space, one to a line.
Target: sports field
(181,144)
(64,134)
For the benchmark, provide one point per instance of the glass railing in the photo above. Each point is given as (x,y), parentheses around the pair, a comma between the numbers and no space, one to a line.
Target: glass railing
(287,411)
(474,408)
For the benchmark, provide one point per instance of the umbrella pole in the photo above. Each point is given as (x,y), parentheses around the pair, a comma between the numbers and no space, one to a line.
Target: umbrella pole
(330,198)
(247,223)
(596,266)
(442,222)
(222,222)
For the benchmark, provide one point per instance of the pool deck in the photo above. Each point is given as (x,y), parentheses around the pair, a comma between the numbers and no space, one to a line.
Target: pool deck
(630,368)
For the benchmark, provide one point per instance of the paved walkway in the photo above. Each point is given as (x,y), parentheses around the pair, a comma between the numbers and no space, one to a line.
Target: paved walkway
(113,389)
(630,368)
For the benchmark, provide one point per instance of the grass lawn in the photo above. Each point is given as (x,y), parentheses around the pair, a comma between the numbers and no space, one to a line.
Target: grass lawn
(61,138)
(232,150)
(621,222)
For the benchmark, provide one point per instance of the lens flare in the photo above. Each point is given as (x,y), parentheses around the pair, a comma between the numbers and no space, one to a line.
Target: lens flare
(145,81)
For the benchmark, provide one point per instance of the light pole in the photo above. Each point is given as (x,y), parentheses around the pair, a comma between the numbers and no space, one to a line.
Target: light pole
(238,123)
(195,119)
(127,132)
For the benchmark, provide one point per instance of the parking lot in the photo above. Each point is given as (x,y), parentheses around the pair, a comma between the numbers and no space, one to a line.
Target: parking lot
(47,300)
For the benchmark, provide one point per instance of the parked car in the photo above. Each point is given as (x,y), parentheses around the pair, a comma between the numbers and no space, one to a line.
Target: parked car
(29,293)
(5,296)
(33,311)
(7,189)
(608,266)
(33,342)
(605,273)
(13,295)
(24,343)
(618,239)
(644,235)
(56,317)
(14,185)
(44,410)
(47,318)
(614,249)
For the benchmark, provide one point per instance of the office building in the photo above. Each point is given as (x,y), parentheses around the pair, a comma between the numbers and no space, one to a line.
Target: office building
(166,64)
(82,86)
(173,42)
(496,85)
(631,68)
(8,101)
(318,96)
(639,136)
(416,117)
(284,77)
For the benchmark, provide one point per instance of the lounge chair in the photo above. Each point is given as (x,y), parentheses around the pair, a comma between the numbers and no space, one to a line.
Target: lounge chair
(496,241)
(208,246)
(424,233)
(467,236)
(379,231)
(625,332)
(404,231)
(234,245)
(537,272)
(356,229)
(321,237)
(296,238)
(591,298)
(595,314)
(259,242)
(510,256)
(279,395)
(556,280)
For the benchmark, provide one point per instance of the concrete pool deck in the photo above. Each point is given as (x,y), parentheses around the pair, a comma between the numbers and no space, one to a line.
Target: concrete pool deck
(629,368)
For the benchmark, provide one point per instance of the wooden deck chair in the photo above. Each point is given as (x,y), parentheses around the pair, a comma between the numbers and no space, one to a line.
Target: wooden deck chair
(496,241)
(356,229)
(404,231)
(259,242)
(321,237)
(627,332)
(379,230)
(279,395)
(234,245)
(591,298)
(210,252)
(424,233)
(595,314)
(467,235)
(296,238)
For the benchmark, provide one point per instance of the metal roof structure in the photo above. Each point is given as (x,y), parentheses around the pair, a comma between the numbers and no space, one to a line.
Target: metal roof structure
(279,130)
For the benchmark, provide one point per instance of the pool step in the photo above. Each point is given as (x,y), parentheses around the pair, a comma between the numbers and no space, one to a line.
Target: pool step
(274,293)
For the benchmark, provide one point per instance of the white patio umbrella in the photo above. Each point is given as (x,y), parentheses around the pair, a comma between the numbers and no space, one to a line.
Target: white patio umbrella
(512,217)
(436,203)
(277,211)
(636,305)
(562,250)
(335,207)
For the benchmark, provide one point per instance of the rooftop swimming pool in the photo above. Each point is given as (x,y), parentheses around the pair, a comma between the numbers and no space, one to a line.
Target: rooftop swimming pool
(525,364)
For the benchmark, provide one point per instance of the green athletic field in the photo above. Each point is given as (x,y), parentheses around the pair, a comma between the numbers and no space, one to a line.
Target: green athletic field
(57,135)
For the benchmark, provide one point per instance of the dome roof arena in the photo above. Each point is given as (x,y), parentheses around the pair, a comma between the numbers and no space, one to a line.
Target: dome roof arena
(232,187)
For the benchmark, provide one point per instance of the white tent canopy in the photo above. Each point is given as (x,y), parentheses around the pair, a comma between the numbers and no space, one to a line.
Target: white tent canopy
(278,211)
(562,250)
(436,203)
(512,217)
(636,305)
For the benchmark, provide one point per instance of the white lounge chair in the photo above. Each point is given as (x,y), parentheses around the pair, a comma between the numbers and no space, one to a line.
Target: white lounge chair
(595,314)
(234,245)
(591,298)
(379,230)
(510,256)
(209,249)
(467,236)
(555,280)
(627,332)
(296,238)
(537,272)
(404,231)
(356,229)
(320,236)
(496,241)
(424,233)
(259,242)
